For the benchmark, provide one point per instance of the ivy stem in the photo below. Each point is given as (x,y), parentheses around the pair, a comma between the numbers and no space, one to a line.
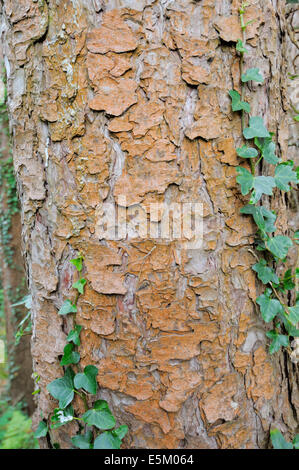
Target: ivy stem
(243,27)
(280,299)
(256,164)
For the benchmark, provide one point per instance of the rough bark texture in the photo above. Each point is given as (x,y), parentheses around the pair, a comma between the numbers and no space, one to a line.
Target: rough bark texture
(130,97)
(13,283)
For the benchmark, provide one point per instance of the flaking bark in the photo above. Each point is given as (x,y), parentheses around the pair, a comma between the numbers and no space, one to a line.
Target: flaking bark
(176,335)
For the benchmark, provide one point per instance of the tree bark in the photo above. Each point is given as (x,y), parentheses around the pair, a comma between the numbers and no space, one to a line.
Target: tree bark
(130,98)
(13,282)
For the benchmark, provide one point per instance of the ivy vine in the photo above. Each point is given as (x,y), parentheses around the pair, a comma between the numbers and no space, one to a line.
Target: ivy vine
(273,248)
(97,424)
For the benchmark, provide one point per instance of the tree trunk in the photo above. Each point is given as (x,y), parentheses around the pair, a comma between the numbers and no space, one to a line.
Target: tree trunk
(12,278)
(129,99)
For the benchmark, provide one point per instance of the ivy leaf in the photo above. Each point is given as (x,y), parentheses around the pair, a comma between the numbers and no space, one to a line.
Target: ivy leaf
(264,273)
(296,441)
(67,307)
(247,152)
(74,335)
(278,441)
(296,237)
(121,431)
(63,389)
(293,316)
(262,185)
(252,74)
(237,104)
(240,47)
(87,379)
(283,175)
(256,128)
(107,440)
(100,416)
(287,281)
(267,148)
(263,218)
(269,219)
(279,246)
(269,307)
(61,417)
(42,430)
(79,285)
(292,330)
(69,355)
(245,179)
(78,263)
(277,341)
(83,441)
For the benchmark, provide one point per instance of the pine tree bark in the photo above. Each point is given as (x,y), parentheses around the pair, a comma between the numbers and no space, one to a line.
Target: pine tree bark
(13,283)
(130,98)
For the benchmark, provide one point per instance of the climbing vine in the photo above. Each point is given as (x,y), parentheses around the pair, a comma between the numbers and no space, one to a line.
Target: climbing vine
(97,424)
(273,248)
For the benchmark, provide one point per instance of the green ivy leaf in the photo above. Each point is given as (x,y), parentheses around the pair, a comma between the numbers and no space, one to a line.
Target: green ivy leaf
(240,47)
(296,441)
(63,389)
(292,330)
(83,441)
(256,128)
(284,175)
(269,307)
(74,335)
(252,74)
(263,218)
(262,185)
(69,355)
(278,441)
(121,431)
(245,179)
(296,237)
(78,263)
(67,307)
(268,151)
(87,379)
(247,152)
(62,416)
(267,148)
(100,416)
(293,316)
(237,104)
(277,341)
(287,281)
(79,285)
(279,246)
(107,440)
(264,273)
(42,430)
